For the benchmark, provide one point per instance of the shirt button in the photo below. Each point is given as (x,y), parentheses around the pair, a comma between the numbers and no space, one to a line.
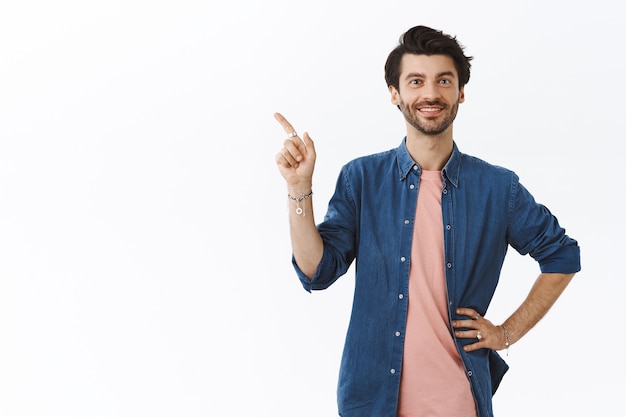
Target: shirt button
(411,186)
(449,265)
(414,167)
(393,371)
(469,373)
(402,259)
(397,334)
(445,191)
(401,296)
(406,222)
(448,227)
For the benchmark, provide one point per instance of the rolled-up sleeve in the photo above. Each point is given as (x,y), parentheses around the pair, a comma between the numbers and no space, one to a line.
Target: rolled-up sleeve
(534,230)
(339,234)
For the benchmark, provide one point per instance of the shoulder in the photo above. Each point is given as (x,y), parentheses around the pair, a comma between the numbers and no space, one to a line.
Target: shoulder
(474,174)
(472,165)
(371,163)
(374,158)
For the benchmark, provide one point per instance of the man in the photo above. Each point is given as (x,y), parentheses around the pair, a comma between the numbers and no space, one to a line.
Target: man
(429,228)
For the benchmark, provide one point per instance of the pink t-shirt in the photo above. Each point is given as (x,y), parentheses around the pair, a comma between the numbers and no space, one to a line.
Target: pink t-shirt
(433,381)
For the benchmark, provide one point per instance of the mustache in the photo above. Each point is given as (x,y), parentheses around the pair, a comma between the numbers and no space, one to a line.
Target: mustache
(429,103)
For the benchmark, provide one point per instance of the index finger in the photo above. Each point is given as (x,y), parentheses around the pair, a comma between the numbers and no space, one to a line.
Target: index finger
(284,123)
(469,312)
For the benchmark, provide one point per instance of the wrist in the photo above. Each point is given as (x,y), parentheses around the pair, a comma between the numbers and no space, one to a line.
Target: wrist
(507,338)
(299,189)
(298,199)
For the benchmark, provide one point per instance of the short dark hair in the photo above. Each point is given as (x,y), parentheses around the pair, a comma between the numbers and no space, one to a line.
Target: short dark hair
(422,40)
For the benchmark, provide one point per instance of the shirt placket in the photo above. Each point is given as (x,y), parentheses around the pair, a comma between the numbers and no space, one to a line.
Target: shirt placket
(408,222)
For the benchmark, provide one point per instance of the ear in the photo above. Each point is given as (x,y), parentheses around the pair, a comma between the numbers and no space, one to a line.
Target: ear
(462,94)
(395,95)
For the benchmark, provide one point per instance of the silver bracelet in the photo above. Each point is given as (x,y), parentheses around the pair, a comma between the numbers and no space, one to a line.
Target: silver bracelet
(298,200)
(507,342)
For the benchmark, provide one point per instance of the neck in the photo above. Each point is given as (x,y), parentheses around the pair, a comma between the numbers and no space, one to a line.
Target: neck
(431,152)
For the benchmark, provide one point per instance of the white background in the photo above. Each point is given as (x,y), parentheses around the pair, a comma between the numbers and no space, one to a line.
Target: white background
(144,254)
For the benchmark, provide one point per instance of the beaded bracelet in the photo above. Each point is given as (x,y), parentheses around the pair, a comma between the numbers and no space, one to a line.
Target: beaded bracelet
(298,200)
(507,343)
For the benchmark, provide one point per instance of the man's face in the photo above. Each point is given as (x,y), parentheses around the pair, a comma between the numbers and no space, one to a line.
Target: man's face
(429,93)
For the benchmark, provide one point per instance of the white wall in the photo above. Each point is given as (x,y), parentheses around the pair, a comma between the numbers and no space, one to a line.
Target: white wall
(144,255)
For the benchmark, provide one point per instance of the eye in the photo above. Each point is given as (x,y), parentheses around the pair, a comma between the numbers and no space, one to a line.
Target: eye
(444,82)
(416,82)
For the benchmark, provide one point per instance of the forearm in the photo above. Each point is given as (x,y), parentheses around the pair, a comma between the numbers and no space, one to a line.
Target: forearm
(296,162)
(306,241)
(541,298)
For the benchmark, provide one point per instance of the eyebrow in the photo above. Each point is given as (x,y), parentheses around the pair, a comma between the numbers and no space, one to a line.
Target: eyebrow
(420,75)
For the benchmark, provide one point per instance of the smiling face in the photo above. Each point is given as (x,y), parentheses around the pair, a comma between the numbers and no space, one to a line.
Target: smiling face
(429,93)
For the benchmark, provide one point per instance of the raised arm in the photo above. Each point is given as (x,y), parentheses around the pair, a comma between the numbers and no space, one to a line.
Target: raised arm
(296,162)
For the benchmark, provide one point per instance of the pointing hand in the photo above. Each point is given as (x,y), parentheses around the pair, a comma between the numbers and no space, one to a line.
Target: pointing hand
(296,159)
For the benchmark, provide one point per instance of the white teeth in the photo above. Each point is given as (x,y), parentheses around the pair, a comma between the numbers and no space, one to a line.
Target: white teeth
(428,109)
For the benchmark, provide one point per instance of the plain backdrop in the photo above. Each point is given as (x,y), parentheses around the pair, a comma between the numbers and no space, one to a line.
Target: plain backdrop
(145,264)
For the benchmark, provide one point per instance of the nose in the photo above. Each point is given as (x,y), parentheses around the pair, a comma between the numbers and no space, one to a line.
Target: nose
(430,91)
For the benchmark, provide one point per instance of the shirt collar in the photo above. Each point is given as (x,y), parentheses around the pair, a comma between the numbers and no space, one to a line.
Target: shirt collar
(453,166)
(405,162)
(450,170)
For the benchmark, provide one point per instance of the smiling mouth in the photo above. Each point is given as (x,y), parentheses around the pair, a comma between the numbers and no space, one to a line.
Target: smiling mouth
(430,109)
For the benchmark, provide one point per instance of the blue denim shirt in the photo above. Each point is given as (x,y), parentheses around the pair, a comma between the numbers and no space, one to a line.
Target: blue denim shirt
(370,218)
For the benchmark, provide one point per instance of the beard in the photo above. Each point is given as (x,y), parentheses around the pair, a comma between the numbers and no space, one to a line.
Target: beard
(426,126)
